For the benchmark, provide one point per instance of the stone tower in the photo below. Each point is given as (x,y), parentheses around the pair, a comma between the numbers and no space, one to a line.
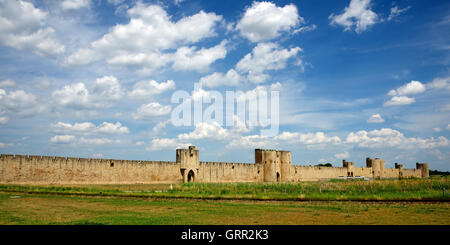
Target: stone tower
(350,166)
(377,166)
(424,169)
(286,162)
(268,159)
(189,163)
(276,164)
(400,169)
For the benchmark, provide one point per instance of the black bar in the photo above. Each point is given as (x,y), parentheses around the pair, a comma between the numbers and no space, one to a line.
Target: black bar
(226,234)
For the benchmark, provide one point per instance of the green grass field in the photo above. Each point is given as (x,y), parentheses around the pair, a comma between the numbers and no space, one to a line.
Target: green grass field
(343,202)
(406,189)
(37,209)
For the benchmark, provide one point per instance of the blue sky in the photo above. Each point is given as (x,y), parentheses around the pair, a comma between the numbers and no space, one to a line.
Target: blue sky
(357,79)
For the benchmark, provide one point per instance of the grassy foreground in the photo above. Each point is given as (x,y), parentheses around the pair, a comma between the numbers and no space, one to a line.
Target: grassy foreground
(356,190)
(39,209)
(130,204)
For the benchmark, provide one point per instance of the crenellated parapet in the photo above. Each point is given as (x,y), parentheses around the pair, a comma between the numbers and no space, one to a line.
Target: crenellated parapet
(270,166)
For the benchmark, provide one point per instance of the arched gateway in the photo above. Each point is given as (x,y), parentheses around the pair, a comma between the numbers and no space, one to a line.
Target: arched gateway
(190,177)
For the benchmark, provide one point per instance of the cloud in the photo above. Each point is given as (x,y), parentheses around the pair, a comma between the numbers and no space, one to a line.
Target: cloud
(413,87)
(265,21)
(305,29)
(217,79)
(20,102)
(252,142)
(188,58)
(82,141)
(97,141)
(391,138)
(399,95)
(439,83)
(89,128)
(24,27)
(264,57)
(115,2)
(109,128)
(107,88)
(63,139)
(343,155)
(145,90)
(396,11)
(7,83)
(3,120)
(3,145)
(166,144)
(75,4)
(253,66)
(151,110)
(308,138)
(74,96)
(357,16)
(177,2)
(399,101)
(60,127)
(104,93)
(376,118)
(160,126)
(142,42)
(206,131)
(239,126)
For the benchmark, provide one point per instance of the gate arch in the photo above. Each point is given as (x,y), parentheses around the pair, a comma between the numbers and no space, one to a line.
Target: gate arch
(190,176)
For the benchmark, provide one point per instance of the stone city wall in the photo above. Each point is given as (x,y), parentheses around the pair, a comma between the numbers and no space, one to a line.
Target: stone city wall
(269,166)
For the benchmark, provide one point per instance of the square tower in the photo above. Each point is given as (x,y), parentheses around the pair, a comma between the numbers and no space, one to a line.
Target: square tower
(189,163)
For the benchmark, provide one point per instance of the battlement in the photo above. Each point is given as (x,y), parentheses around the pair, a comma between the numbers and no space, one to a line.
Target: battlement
(270,166)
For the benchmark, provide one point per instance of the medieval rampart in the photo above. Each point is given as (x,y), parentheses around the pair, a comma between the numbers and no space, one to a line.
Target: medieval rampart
(269,166)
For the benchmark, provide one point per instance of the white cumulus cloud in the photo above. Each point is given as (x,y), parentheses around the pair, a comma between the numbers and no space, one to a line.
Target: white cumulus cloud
(88,128)
(308,138)
(151,110)
(75,4)
(166,144)
(439,83)
(104,93)
(20,102)
(24,27)
(206,131)
(357,15)
(264,57)
(265,21)
(62,139)
(342,155)
(145,90)
(413,87)
(376,118)
(399,101)
(217,79)
(144,41)
(188,58)
(391,138)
